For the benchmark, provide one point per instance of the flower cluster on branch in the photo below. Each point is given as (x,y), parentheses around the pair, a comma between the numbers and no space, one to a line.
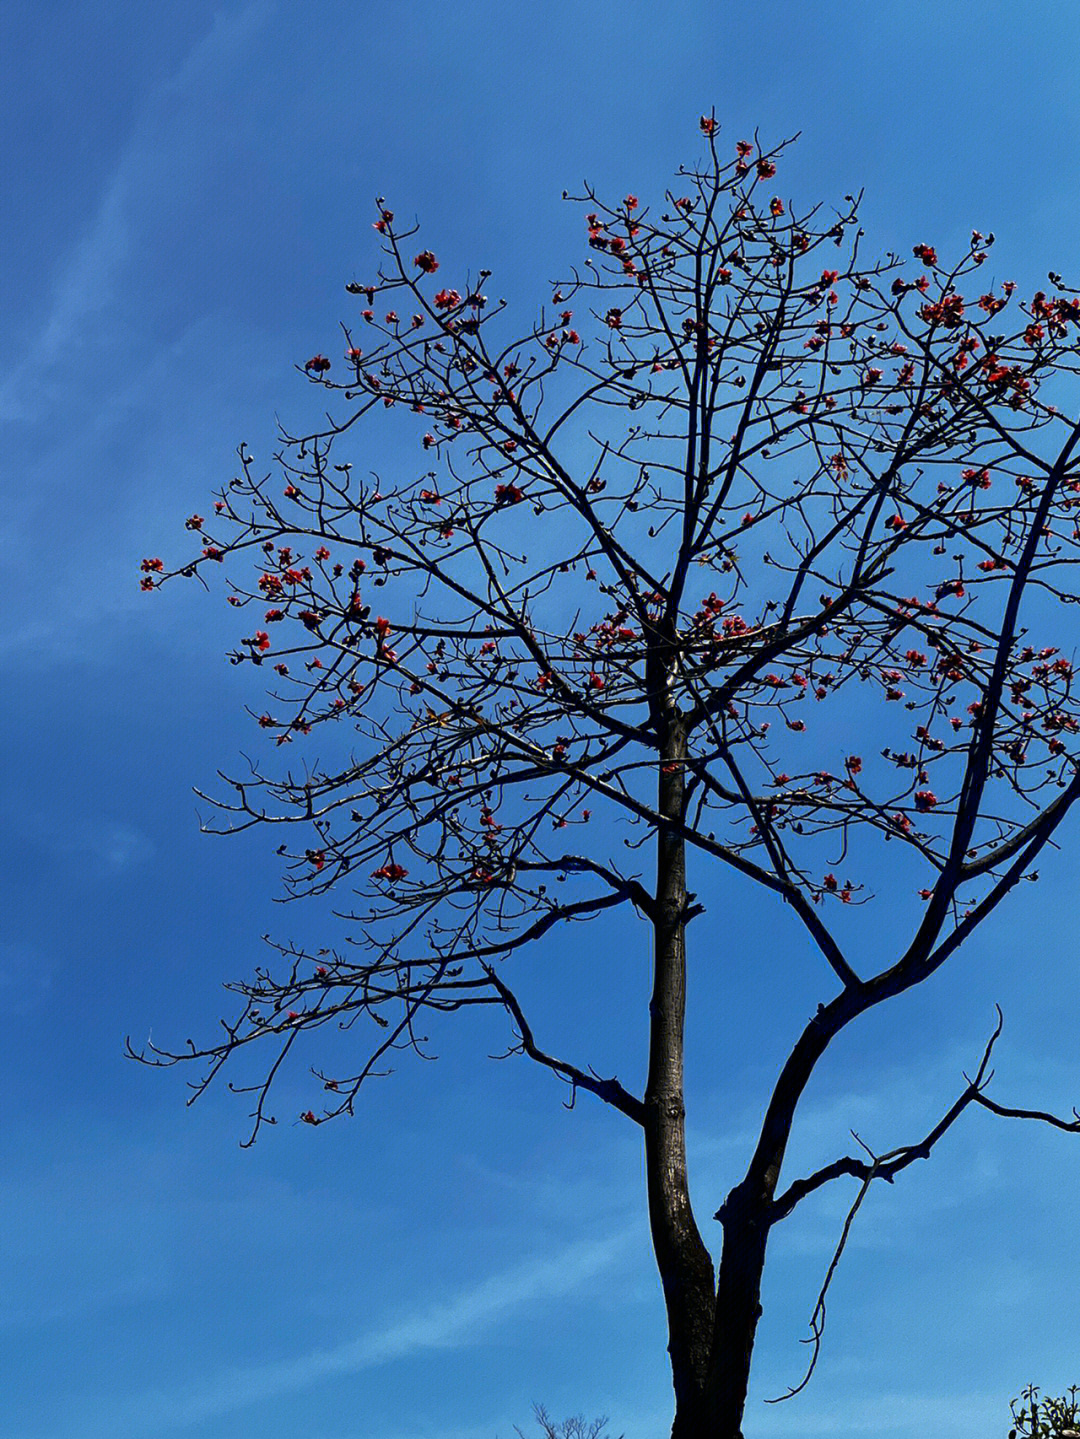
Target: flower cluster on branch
(733,499)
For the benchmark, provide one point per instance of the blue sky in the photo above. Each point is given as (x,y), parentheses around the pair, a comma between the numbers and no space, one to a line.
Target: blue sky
(189,186)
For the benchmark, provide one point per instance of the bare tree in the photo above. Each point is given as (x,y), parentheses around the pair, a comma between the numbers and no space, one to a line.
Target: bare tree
(737,506)
(576,1427)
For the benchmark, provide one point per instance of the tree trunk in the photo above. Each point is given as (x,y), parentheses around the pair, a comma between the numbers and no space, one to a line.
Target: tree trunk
(738,1309)
(715,1410)
(712,1321)
(686,1269)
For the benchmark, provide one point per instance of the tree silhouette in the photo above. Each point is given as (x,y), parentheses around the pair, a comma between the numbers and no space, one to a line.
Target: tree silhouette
(745,555)
(576,1427)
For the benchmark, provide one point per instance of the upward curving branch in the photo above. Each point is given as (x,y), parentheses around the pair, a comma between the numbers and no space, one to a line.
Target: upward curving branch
(740,550)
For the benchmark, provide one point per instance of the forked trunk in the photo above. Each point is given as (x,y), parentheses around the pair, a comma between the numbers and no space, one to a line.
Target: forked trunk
(686,1270)
(738,1309)
(711,1320)
(715,1409)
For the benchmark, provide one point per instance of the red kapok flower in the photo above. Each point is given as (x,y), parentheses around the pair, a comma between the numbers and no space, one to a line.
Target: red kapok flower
(950,587)
(390,871)
(427,262)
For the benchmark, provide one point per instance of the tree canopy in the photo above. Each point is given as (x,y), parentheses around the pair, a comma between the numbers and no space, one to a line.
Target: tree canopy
(746,555)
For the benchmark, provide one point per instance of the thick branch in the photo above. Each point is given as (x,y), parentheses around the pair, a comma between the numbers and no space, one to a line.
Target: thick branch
(609,1090)
(886,1167)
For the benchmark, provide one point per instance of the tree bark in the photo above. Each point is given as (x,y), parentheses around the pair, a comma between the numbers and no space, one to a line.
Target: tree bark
(686,1268)
(712,1320)
(738,1309)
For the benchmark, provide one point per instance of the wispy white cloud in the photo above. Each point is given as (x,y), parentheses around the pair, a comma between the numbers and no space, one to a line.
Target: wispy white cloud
(459,1322)
(117,847)
(957,1415)
(85,289)
(112,846)
(862,1414)
(79,1302)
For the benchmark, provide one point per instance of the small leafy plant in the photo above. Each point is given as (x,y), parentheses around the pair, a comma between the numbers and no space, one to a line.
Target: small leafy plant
(1048,1418)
